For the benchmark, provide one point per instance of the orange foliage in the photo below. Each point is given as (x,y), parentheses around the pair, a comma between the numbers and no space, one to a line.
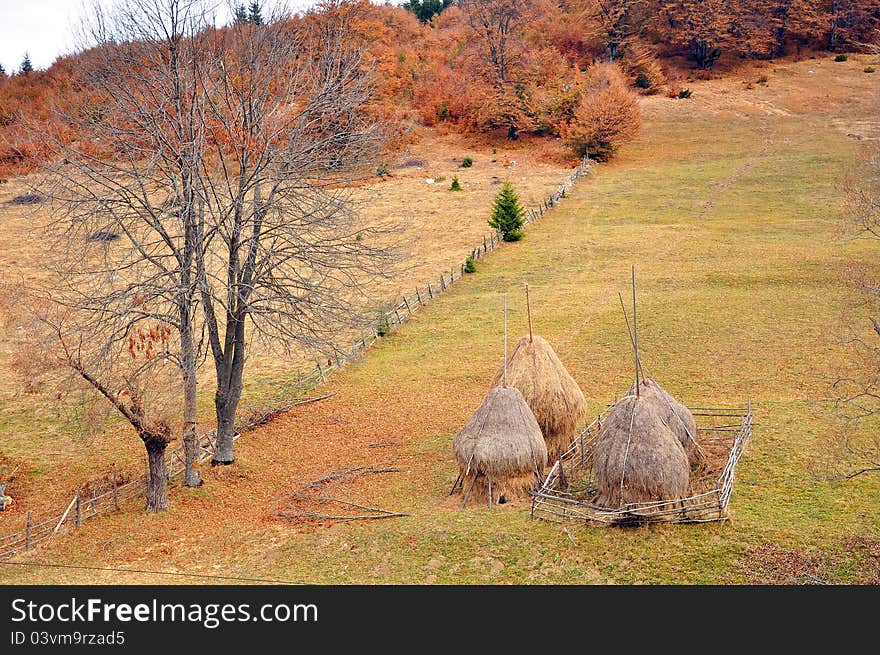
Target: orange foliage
(443,72)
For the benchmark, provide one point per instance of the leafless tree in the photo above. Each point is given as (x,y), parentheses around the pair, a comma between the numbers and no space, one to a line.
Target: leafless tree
(496,22)
(288,263)
(857,387)
(617,22)
(64,352)
(130,179)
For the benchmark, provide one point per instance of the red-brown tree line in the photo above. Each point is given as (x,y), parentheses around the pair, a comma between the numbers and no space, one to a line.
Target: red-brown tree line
(517,66)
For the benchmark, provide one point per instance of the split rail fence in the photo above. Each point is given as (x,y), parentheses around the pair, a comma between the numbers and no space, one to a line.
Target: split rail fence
(110,497)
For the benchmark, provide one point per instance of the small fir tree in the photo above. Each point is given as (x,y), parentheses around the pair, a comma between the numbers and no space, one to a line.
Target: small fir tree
(241,14)
(456,185)
(256,14)
(507,214)
(26,65)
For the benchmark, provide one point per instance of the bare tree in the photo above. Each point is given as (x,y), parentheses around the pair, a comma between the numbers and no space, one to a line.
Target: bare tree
(66,352)
(129,179)
(288,258)
(496,22)
(858,386)
(618,22)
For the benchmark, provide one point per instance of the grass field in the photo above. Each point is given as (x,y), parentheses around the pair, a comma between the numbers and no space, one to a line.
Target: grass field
(729,206)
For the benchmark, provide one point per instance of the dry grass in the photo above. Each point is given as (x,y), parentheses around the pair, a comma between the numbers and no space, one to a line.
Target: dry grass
(730,211)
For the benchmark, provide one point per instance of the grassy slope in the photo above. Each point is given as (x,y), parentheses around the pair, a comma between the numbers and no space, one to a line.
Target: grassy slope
(728,206)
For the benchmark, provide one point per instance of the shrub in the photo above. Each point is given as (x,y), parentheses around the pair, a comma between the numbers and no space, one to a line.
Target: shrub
(607,115)
(456,185)
(642,81)
(383,170)
(869,69)
(467,162)
(470,266)
(384,327)
(840,57)
(684,94)
(507,214)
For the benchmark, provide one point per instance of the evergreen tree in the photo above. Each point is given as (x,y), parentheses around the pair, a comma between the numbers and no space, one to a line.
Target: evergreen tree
(256,13)
(2,71)
(26,65)
(507,214)
(425,10)
(241,14)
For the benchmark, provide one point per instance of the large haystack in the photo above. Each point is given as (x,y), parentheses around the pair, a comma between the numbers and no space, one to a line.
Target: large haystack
(552,394)
(675,415)
(501,445)
(637,458)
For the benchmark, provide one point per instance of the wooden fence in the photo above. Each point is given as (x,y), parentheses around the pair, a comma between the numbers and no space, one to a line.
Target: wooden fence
(562,495)
(82,508)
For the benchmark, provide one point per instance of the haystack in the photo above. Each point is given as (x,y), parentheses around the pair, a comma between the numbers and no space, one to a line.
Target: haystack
(500,447)
(675,415)
(551,393)
(637,458)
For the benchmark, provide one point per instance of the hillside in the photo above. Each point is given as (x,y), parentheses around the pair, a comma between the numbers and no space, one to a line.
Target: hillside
(729,206)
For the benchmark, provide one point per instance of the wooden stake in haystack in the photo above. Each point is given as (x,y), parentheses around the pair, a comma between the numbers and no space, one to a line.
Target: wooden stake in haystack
(550,391)
(647,441)
(500,450)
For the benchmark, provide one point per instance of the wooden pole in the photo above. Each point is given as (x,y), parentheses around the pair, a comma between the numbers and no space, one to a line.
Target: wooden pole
(629,331)
(504,377)
(115,490)
(418,296)
(406,302)
(490,492)
(455,484)
(468,494)
(635,329)
(529,311)
(27,532)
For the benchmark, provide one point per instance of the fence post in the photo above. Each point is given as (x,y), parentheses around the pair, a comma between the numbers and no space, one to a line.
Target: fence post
(430,291)
(397,314)
(484,243)
(320,372)
(27,532)
(418,296)
(406,302)
(78,512)
(115,490)
(442,282)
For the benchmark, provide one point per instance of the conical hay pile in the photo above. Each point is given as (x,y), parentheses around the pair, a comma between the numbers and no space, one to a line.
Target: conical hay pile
(677,417)
(552,394)
(637,458)
(501,441)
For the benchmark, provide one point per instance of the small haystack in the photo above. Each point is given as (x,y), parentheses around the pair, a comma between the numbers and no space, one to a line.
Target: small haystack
(552,394)
(500,450)
(675,415)
(637,458)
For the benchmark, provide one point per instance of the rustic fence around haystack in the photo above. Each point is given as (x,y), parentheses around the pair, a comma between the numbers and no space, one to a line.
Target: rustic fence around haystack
(82,508)
(556,500)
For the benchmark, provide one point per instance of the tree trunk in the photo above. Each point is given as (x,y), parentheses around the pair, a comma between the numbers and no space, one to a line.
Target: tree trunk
(192,476)
(226,407)
(157,484)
